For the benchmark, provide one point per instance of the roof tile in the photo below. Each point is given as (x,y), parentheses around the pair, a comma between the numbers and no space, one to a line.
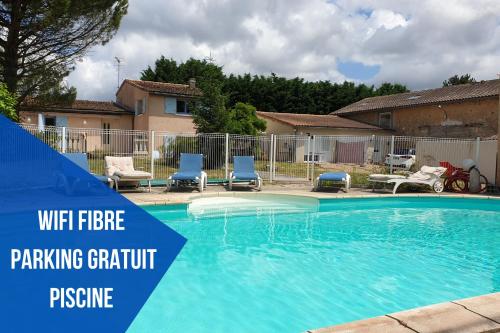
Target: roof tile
(84,106)
(460,92)
(165,88)
(314,120)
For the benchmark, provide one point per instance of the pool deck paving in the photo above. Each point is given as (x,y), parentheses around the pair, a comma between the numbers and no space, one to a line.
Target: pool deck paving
(476,314)
(470,315)
(159,196)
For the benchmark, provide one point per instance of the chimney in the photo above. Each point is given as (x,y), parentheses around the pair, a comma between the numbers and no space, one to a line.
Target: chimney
(192,83)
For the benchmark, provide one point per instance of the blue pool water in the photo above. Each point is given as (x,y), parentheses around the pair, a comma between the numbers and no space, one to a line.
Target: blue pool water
(288,265)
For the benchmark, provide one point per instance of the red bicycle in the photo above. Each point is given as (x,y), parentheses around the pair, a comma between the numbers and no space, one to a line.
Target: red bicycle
(457,180)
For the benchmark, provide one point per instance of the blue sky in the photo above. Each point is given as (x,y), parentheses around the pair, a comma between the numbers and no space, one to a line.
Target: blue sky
(417,43)
(357,71)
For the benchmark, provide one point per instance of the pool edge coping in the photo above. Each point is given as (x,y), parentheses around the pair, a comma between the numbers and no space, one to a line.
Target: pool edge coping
(316,195)
(474,314)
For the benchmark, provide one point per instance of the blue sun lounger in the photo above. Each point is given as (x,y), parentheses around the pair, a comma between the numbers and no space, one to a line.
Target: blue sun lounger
(190,172)
(81,160)
(333,177)
(73,185)
(244,169)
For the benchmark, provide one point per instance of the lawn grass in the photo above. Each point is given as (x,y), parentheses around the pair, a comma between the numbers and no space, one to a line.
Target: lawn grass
(285,172)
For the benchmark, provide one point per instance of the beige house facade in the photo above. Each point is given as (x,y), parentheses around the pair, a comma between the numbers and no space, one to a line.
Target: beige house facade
(139,105)
(321,138)
(461,111)
(159,106)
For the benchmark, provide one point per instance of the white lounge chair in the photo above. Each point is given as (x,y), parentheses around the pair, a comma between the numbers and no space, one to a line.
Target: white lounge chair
(121,169)
(378,178)
(427,176)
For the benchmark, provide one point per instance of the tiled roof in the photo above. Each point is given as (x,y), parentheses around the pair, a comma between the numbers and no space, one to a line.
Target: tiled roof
(164,88)
(78,106)
(314,120)
(460,92)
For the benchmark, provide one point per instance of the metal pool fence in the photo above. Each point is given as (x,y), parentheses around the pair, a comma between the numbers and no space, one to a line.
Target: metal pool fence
(278,158)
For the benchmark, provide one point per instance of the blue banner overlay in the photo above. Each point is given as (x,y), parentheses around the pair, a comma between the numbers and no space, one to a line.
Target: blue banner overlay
(75,256)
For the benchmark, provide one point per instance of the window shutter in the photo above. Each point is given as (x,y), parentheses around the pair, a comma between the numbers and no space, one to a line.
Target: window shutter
(170,105)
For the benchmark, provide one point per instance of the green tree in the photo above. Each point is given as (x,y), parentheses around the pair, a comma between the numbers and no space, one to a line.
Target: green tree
(168,70)
(209,113)
(390,89)
(455,79)
(243,120)
(270,93)
(7,103)
(42,39)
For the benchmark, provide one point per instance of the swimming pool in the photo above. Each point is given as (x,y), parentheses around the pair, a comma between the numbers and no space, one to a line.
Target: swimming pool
(276,264)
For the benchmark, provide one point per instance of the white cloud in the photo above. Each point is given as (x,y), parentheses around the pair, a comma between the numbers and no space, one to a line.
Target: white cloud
(419,43)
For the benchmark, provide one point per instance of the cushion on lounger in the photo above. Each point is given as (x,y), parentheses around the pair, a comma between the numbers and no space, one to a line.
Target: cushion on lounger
(333,176)
(186,175)
(245,175)
(382,178)
(438,171)
(118,163)
(133,174)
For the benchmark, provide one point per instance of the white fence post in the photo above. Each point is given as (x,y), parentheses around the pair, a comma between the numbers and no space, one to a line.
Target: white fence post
(392,155)
(274,158)
(271,158)
(226,161)
(152,142)
(313,151)
(478,148)
(308,154)
(63,138)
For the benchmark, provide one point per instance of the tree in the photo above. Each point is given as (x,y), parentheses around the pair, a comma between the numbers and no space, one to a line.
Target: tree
(243,120)
(167,70)
(209,113)
(455,79)
(7,103)
(40,41)
(387,88)
(271,93)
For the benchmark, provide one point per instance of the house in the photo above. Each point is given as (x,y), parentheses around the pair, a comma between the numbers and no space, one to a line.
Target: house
(140,105)
(159,106)
(461,111)
(341,140)
(312,124)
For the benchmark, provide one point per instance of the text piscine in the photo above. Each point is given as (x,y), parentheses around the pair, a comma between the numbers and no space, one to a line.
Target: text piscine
(76,259)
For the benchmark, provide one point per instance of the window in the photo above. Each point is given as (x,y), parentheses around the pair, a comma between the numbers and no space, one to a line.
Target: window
(183,107)
(50,121)
(385,120)
(140,106)
(106,135)
(170,105)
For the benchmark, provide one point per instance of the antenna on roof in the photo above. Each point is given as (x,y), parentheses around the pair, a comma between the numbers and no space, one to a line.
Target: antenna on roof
(118,66)
(210,59)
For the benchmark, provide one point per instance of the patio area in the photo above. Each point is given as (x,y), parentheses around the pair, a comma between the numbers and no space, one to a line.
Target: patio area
(159,196)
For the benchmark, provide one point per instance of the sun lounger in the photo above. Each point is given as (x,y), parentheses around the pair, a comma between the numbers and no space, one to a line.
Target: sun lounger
(333,177)
(190,172)
(382,179)
(427,175)
(244,169)
(82,161)
(121,169)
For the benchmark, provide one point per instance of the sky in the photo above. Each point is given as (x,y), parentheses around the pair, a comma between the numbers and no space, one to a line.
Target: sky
(417,43)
